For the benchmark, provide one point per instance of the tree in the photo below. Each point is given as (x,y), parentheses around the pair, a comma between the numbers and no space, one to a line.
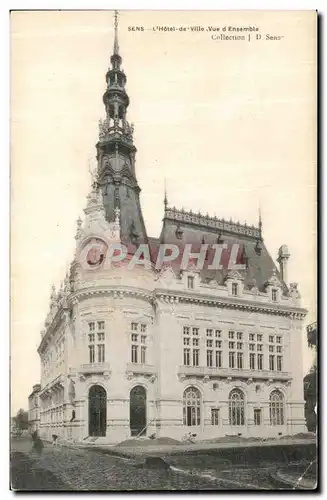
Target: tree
(21,419)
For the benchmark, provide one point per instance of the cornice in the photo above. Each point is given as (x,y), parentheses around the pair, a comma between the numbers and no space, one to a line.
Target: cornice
(229,303)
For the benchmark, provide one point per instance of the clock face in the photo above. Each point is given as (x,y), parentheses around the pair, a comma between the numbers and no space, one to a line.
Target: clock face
(93,253)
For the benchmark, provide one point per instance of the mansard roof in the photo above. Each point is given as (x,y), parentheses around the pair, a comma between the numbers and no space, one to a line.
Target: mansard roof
(181,227)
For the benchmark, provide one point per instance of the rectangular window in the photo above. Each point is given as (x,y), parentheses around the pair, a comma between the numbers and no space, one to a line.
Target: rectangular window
(251,337)
(186,330)
(260,361)
(91,353)
(134,327)
(217,333)
(100,326)
(195,331)
(134,337)
(239,346)
(234,288)
(134,353)
(209,343)
(143,328)
(92,326)
(251,347)
(187,357)
(195,357)
(279,363)
(274,295)
(279,348)
(231,345)
(257,416)
(91,337)
(100,353)
(209,358)
(143,339)
(231,360)
(100,336)
(209,332)
(278,339)
(259,337)
(196,342)
(271,339)
(272,362)
(230,335)
(271,348)
(214,416)
(190,282)
(143,354)
(259,347)
(186,341)
(219,359)
(252,361)
(218,343)
(240,360)
(239,335)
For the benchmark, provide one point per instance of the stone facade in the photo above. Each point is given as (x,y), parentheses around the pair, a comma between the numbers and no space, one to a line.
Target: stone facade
(133,352)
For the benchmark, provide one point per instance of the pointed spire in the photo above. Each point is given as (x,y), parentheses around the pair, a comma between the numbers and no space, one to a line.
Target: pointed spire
(260,220)
(116,45)
(165,198)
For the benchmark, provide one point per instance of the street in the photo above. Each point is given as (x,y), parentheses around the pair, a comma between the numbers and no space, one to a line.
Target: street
(63,468)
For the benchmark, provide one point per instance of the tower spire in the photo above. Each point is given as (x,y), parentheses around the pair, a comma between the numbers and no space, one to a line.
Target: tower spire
(165,198)
(260,220)
(116,45)
(116,153)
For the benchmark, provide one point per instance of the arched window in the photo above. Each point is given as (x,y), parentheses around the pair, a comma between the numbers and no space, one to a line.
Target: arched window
(191,406)
(236,407)
(276,408)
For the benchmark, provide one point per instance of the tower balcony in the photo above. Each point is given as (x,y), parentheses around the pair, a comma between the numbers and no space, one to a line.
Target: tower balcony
(110,130)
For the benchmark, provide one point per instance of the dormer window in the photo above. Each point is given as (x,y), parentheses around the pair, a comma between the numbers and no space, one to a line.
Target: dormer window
(274,294)
(190,282)
(235,289)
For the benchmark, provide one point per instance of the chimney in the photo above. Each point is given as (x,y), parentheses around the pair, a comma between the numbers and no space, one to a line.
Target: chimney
(283,256)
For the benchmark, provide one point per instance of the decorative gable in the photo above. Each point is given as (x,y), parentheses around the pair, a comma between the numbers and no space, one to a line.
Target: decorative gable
(273,281)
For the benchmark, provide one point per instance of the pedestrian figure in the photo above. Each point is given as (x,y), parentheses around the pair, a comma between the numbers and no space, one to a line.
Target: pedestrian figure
(37,443)
(54,439)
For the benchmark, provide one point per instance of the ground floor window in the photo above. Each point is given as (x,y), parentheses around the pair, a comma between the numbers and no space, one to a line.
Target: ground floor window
(257,416)
(276,408)
(191,406)
(236,407)
(214,416)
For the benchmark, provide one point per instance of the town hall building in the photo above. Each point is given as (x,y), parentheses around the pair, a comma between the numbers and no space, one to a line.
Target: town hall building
(139,351)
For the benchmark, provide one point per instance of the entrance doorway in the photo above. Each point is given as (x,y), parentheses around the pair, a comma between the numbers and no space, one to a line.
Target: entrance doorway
(97,411)
(137,411)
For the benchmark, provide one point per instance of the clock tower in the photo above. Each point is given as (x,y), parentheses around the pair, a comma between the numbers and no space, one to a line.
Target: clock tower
(116,155)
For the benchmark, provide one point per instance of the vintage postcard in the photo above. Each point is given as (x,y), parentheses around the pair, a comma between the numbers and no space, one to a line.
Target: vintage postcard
(163,238)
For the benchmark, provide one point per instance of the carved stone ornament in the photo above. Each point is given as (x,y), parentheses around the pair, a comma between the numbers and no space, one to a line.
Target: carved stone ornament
(234,275)
(273,281)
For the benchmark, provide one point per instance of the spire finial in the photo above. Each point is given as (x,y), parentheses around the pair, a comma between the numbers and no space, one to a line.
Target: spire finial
(260,219)
(165,198)
(116,46)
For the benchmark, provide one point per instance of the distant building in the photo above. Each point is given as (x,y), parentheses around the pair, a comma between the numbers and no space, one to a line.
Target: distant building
(34,409)
(129,352)
(310,382)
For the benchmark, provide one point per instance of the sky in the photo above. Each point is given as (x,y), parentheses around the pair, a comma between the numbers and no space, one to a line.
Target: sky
(230,125)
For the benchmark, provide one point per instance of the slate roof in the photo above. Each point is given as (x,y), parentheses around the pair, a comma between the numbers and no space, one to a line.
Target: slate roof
(259,264)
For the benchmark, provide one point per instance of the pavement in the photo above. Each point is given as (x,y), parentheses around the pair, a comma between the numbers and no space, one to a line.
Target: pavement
(81,469)
(170,449)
